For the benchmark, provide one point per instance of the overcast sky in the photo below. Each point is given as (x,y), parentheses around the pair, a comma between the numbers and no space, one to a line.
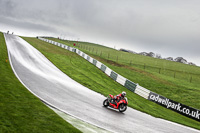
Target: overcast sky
(167,27)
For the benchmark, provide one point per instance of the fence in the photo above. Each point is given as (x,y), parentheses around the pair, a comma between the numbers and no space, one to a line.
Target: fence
(186,76)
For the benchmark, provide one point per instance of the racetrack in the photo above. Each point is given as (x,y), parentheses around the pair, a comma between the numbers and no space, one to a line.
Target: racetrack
(47,82)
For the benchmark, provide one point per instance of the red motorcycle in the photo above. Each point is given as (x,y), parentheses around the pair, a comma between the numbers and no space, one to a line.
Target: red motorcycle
(120,104)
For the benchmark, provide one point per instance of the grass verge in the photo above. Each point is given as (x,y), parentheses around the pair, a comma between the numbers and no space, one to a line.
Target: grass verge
(20,110)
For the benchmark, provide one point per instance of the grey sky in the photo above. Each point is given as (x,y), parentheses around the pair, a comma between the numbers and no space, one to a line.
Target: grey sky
(168,27)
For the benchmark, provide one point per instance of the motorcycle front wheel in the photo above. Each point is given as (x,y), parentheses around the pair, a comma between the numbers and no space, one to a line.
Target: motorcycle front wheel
(105,103)
(122,107)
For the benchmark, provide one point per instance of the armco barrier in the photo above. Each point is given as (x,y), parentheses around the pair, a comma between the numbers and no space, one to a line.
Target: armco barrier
(113,75)
(130,85)
(99,64)
(108,71)
(66,47)
(88,58)
(141,91)
(121,80)
(91,60)
(83,55)
(94,62)
(78,52)
(103,67)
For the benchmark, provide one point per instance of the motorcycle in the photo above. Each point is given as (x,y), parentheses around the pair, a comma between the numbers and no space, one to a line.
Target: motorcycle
(121,104)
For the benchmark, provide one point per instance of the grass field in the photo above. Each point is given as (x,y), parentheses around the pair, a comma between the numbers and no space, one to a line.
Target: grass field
(180,74)
(20,110)
(178,88)
(87,74)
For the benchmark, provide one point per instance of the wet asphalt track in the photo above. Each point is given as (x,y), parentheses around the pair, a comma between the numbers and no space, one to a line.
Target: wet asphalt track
(49,83)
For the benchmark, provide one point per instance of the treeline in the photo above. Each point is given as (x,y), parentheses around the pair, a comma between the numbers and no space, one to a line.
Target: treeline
(151,54)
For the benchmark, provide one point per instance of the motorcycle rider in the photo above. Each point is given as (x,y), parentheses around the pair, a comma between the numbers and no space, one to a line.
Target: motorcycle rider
(119,97)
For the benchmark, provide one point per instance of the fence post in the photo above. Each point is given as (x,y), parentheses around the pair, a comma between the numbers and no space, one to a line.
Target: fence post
(130,62)
(159,70)
(191,79)
(108,55)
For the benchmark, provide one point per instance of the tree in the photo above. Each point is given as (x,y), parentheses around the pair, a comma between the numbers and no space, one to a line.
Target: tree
(169,58)
(181,60)
(158,56)
(143,53)
(124,50)
(151,54)
(190,63)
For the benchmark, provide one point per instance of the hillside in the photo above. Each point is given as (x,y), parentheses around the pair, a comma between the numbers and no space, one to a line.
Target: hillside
(87,74)
(173,80)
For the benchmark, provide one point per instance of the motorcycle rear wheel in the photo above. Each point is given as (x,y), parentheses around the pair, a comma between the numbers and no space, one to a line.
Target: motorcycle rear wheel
(122,107)
(105,103)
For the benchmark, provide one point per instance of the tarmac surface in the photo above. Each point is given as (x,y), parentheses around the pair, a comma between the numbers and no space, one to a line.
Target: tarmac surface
(54,87)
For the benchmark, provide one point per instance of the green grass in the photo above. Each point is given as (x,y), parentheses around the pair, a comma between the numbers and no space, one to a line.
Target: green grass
(90,76)
(181,71)
(178,89)
(135,59)
(20,110)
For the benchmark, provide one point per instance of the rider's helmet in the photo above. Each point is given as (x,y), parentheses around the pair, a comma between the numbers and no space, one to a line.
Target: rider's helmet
(123,93)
